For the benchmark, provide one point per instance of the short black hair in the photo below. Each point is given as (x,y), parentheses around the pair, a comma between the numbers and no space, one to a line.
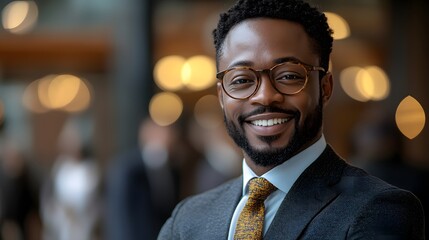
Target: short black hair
(313,21)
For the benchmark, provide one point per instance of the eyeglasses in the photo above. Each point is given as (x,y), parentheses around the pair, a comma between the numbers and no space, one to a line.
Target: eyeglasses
(287,78)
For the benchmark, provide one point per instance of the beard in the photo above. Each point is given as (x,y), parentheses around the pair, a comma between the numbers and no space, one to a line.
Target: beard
(275,156)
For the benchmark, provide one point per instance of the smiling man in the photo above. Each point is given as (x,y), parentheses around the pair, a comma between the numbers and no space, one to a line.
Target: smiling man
(272,58)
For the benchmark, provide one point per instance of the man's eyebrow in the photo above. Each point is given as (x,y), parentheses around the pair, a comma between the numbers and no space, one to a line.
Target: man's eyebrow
(287,59)
(241,63)
(275,61)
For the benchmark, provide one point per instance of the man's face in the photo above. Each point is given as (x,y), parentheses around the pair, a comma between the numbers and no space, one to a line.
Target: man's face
(260,44)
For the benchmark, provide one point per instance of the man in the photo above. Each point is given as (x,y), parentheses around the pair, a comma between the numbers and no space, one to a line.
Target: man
(272,58)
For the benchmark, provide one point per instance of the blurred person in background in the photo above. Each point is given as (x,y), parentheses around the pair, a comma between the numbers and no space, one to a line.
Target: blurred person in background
(219,160)
(141,186)
(19,213)
(70,200)
(273,59)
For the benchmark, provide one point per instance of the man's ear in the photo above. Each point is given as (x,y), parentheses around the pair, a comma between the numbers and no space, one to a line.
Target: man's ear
(220,94)
(327,86)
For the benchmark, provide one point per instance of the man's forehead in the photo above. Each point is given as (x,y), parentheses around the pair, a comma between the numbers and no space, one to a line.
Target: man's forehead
(268,38)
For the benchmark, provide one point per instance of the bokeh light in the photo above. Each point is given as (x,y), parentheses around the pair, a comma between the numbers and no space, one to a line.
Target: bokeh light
(57,92)
(19,16)
(380,83)
(173,73)
(165,108)
(168,73)
(348,83)
(364,84)
(199,72)
(62,89)
(207,112)
(82,99)
(410,117)
(339,25)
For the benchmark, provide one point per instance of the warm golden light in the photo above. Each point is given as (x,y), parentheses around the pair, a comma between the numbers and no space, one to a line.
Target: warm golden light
(339,25)
(199,72)
(165,108)
(410,117)
(379,81)
(173,72)
(43,91)
(207,112)
(62,90)
(348,83)
(82,99)
(186,73)
(168,73)
(57,92)
(364,84)
(19,16)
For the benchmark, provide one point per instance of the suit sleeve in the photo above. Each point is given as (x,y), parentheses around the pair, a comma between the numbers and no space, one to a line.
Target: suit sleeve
(169,229)
(392,214)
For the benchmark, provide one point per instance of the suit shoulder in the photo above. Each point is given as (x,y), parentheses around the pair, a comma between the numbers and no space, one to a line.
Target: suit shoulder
(358,182)
(196,216)
(389,212)
(214,194)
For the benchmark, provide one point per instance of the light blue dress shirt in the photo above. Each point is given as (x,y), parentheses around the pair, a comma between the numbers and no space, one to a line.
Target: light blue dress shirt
(283,177)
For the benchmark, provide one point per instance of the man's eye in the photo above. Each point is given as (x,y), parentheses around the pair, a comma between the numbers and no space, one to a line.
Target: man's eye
(289,77)
(241,81)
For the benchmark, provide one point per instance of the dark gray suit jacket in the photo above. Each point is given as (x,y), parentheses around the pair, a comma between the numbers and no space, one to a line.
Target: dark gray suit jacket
(330,200)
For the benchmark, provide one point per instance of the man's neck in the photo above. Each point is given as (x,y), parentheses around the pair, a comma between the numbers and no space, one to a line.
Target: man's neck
(257,169)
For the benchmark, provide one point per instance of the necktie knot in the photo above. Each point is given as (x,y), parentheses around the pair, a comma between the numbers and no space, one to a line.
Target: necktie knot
(260,188)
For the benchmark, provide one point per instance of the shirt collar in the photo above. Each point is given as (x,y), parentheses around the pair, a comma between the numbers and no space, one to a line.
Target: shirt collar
(284,175)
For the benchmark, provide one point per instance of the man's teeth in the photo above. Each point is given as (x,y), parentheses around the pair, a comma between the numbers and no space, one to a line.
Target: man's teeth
(269,122)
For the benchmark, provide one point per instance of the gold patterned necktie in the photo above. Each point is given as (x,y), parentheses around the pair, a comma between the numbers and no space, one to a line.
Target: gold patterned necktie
(250,224)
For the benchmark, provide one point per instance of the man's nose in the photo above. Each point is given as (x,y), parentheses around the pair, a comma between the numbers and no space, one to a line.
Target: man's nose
(267,93)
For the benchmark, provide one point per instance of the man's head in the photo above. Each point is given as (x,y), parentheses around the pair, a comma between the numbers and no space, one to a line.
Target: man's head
(313,21)
(273,124)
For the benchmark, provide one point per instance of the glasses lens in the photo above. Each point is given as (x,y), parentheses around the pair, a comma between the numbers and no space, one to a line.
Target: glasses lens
(289,78)
(240,82)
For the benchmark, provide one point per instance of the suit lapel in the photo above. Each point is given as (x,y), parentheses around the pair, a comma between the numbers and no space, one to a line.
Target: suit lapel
(309,195)
(224,208)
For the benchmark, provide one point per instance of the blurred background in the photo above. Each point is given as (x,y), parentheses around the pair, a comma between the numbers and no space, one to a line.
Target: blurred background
(109,115)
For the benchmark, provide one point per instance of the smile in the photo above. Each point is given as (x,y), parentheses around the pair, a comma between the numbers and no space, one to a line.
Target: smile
(269,122)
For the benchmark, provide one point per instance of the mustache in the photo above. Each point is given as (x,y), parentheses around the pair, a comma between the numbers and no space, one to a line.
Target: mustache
(267,109)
